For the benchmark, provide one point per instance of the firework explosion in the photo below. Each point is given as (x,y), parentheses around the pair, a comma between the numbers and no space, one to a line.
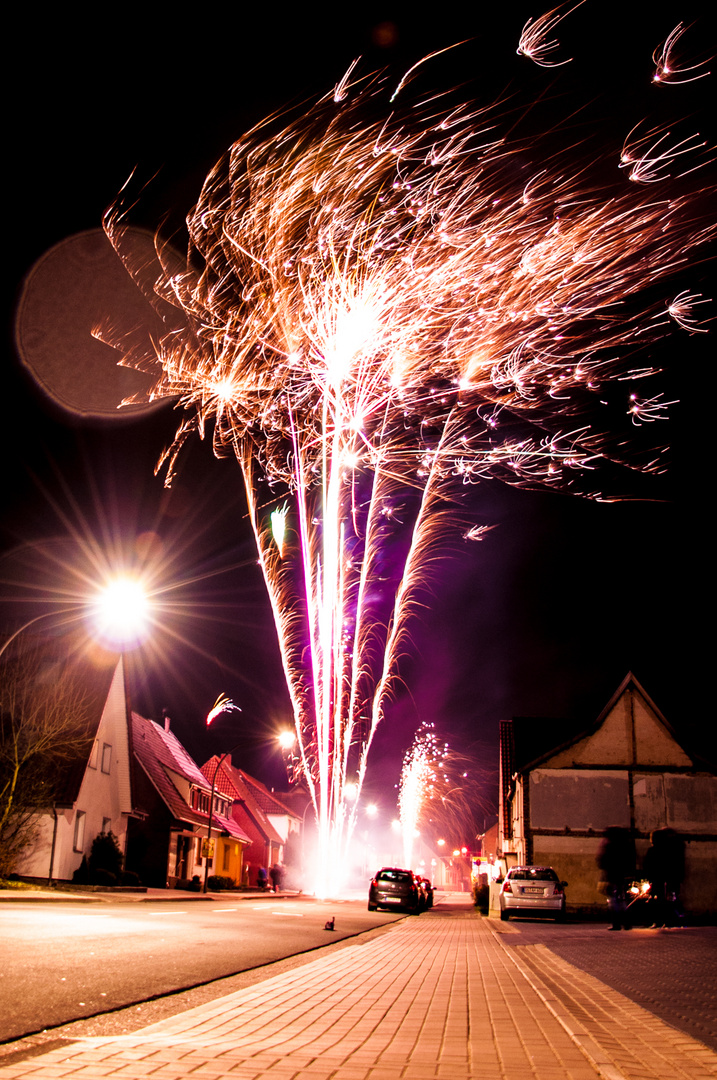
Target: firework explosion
(421,775)
(440,793)
(381,298)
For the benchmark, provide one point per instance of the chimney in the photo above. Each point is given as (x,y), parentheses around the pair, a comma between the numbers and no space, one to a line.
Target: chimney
(165,714)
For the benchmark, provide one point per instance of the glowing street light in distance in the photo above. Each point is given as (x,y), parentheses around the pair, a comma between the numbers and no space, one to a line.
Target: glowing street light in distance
(286,739)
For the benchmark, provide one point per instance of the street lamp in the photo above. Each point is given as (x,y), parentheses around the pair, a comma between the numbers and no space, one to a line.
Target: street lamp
(211,812)
(286,740)
(120,611)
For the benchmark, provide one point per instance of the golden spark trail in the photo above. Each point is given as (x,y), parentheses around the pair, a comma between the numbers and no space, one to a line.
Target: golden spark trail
(382,301)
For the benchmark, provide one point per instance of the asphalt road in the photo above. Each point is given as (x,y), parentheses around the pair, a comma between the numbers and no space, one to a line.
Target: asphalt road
(64,961)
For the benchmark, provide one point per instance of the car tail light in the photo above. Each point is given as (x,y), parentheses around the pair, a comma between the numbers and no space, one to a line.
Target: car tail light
(507,887)
(557,891)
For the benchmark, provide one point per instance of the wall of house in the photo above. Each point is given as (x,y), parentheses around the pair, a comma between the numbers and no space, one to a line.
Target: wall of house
(513,848)
(228,860)
(567,801)
(283,824)
(147,852)
(581,798)
(574,859)
(260,852)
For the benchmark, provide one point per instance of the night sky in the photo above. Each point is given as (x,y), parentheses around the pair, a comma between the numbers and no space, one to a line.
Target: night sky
(546,614)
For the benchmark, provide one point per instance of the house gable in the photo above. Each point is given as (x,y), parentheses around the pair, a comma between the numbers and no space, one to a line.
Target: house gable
(631,732)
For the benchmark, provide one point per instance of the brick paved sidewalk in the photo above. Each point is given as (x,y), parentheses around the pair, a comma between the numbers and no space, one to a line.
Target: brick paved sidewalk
(435,997)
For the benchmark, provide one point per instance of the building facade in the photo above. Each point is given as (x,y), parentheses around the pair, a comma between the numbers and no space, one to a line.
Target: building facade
(270,825)
(628,769)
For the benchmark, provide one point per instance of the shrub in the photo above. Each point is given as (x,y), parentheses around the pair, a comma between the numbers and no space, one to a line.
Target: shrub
(481,896)
(189,886)
(81,875)
(103,877)
(105,858)
(217,882)
(129,878)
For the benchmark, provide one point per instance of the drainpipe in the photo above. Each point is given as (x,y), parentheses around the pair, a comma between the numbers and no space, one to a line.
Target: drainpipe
(52,850)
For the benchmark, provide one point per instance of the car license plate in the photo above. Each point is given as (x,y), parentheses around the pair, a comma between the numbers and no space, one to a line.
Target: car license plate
(392,899)
(531,890)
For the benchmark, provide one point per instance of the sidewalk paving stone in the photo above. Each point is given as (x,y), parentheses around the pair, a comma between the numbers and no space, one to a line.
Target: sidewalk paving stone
(436,998)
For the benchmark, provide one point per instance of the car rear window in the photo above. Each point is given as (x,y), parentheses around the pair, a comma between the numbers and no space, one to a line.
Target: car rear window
(534,873)
(393,875)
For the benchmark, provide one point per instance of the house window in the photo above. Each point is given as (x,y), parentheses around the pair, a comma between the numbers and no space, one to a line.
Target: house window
(106,757)
(78,843)
(198,853)
(106,825)
(225,857)
(92,763)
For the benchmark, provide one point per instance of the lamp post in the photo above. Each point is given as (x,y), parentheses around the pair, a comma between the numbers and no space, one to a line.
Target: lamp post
(211,812)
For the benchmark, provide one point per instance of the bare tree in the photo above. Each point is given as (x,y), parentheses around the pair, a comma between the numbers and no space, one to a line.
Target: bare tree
(44,732)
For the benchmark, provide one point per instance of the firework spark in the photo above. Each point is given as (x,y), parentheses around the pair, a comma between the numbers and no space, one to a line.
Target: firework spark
(373,308)
(668,69)
(650,158)
(223,704)
(682,310)
(534,41)
(441,793)
(278,527)
(420,775)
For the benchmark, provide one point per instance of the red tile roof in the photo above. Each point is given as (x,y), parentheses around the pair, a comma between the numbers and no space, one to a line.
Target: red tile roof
(240,787)
(160,753)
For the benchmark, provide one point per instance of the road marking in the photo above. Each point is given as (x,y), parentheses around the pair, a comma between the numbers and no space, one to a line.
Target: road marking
(289,914)
(219,910)
(168,912)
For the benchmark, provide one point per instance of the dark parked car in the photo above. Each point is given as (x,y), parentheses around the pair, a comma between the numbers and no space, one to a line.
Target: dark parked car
(427,890)
(532,890)
(394,887)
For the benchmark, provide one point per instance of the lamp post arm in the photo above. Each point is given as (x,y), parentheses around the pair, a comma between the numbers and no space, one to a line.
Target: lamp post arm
(31,622)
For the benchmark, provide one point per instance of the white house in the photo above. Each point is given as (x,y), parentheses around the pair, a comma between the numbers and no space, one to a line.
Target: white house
(95,796)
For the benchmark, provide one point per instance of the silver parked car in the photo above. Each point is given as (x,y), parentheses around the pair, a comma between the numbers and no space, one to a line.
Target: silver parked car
(532,890)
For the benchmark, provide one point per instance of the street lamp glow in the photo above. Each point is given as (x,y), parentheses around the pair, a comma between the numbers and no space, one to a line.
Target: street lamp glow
(286,739)
(121,612)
